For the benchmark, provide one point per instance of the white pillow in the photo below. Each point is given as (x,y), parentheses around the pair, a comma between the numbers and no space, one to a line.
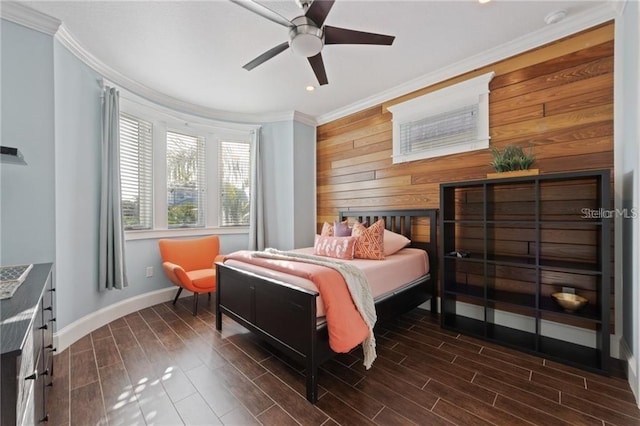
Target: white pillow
(394,242)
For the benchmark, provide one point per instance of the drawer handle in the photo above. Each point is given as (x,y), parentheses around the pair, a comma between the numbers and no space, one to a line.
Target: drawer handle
(33,376)
(52,289)
(45,418)
(44,327)
(50,308)
(52,319)
(45,372)
(50,346)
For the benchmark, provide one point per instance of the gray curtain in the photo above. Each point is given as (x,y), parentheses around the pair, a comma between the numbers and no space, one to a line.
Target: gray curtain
(112,273)
(256,216)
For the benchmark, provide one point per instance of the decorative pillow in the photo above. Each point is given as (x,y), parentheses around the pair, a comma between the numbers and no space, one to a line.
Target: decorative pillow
(327,230)
(394,242)
(369,241)
(338,247)
(341,229)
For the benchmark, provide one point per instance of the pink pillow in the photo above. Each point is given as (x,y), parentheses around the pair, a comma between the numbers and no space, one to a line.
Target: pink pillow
(327,230)
(394,242)
(369,241)
(338,247)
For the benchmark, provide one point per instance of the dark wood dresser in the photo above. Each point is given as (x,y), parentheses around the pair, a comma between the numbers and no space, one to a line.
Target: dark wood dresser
(26,336)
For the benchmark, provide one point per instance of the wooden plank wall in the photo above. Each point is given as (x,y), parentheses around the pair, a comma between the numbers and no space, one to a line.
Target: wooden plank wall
(559,98)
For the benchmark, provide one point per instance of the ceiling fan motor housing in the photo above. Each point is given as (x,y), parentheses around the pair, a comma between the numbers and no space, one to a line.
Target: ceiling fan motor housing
(306,38)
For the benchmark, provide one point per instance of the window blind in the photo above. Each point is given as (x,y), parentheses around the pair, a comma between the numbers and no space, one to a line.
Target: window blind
(439,131)
(447,121)
(186,187)
(234,177)
(136,172)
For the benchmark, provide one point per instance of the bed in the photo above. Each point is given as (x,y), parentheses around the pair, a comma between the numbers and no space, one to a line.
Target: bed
(263,304)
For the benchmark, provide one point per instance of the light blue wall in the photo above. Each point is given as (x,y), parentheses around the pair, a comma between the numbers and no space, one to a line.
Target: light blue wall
(304,184)
(27,192)
(277,162)
(77,183)
(77,159)
(288,149)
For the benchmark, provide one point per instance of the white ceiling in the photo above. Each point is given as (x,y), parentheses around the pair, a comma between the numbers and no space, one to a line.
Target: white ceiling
(194,50)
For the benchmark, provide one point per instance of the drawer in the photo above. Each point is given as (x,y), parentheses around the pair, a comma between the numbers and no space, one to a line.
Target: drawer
(27,378)
(39,394)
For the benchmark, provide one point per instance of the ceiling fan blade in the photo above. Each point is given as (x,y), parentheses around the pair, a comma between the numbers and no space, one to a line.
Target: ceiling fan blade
(267,55)
(264,11)
(334,35)
(319,10)
(318,68)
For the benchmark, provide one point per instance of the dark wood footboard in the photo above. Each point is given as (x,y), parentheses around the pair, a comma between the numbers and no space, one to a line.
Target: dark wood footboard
(282,314)
(285,315)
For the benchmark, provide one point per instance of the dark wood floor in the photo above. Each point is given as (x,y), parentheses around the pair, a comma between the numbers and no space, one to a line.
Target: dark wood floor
(161,365)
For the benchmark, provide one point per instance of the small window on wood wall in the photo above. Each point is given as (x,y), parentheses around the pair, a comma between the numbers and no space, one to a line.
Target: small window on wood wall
(448,121)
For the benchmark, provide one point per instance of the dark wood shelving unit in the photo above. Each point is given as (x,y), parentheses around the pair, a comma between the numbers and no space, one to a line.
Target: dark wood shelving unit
(528,237)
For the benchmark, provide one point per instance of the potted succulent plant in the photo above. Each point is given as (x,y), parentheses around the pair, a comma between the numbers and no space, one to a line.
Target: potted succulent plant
(512,161)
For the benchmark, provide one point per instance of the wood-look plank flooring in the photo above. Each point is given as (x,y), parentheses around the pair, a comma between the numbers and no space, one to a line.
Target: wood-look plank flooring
(161,365)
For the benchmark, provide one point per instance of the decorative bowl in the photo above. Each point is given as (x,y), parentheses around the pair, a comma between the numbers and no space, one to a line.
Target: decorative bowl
(570,302)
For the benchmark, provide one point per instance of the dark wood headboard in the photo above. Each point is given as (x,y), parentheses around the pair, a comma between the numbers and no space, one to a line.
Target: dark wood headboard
(400,222)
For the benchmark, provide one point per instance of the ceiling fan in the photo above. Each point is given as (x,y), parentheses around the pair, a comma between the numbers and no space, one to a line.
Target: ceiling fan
(308,34)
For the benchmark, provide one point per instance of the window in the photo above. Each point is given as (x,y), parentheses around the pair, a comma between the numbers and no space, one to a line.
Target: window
(183,177)
(448,121)
(234,174)
(136,174)
(186,188)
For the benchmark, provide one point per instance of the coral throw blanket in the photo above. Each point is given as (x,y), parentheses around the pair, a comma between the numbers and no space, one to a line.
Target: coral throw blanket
(350,317)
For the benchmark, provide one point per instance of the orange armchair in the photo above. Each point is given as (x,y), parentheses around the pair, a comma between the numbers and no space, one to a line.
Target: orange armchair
(190,264)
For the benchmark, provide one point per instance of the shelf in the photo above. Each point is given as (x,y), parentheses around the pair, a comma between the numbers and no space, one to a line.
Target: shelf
(557,350)
(588,312)
(471,258)
(527,262)
(527,237)
(499,296)
(464,290)
(463,324)
(519,261)
(578,221)
(570,353)
(570,266)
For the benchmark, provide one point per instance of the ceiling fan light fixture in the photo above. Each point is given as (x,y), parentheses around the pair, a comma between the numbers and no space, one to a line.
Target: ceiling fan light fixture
(306,37)
(306,45)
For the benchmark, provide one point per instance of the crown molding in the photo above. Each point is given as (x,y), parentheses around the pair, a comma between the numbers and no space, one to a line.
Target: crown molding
(303,118)
(20,14)
(548,34)
(68,40)
(23,15)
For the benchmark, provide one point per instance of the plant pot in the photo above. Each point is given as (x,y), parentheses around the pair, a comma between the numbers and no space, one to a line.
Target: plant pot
(513,173)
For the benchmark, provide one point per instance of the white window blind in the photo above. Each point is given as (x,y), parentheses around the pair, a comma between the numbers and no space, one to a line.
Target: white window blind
(448,121)
(440,131)
(186,188)
(234,177)
(136,172)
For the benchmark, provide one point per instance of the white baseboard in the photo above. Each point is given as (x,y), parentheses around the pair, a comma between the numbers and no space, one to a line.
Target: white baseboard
(68,335)
(577,335)
(632,369)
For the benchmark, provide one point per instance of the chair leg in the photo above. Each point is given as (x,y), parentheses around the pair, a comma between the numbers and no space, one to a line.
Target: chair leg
(177,295)
(195,304)
(209,296)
